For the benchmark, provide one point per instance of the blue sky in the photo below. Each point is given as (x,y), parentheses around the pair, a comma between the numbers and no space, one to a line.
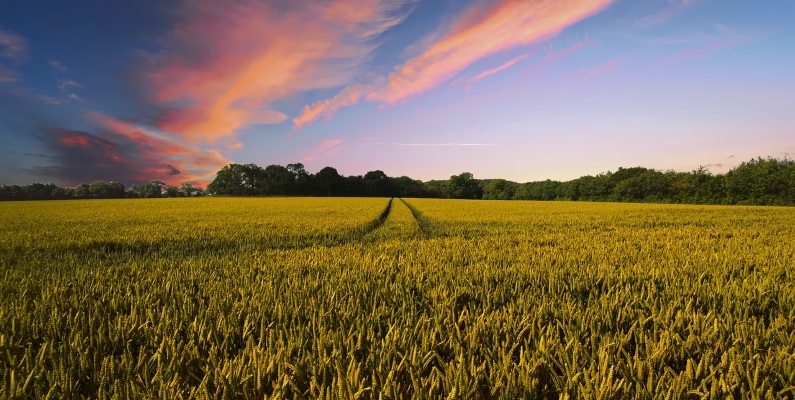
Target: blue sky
(523,90)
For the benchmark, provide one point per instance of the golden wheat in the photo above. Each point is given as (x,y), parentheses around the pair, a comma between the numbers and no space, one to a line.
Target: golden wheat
(334,298)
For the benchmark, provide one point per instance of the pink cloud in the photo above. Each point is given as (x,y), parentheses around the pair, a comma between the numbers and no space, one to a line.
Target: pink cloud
(75,140)
(226,63)
(159,156)
(510,63)
(705,50)
(326,148)
(348,96)
(605,67)
(481,32)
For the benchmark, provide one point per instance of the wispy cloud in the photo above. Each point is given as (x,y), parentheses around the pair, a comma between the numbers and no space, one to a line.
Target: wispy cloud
(489,72)
(50,100)
(75,97)
(326,109)
(7,75)
(481,31)
(65,84)
(434,144)
(606,67)
(80,156)
(157,156)
(12,46)
(705,43)
(57,65)
(709,48)
(225,64)
(326,148)
(553,54)
(671,10)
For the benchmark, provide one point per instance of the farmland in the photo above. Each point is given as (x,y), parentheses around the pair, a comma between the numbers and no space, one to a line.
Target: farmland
(401,298)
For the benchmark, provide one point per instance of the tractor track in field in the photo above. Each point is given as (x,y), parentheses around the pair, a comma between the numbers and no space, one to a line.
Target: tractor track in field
(376,223)
(427,228)
(109,250)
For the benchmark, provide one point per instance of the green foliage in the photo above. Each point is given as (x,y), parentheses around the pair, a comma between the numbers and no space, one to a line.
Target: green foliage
(499,189)
(757,182)
(462,186)
(370,298)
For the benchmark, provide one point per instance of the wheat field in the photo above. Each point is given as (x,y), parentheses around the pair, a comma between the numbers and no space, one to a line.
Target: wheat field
(395,298)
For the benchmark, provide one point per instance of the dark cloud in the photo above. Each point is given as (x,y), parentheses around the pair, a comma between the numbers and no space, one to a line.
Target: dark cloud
(76,156)
(43,143)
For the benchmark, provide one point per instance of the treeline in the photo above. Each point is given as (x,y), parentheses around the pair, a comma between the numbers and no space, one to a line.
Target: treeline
(759,181)
(756,182)
(294,180)
(97,190)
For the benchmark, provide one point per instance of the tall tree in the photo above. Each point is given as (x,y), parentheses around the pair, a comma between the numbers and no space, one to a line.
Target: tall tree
(462,186)
(325,181)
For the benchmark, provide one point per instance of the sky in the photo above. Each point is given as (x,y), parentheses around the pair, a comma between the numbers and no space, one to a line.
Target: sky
(524,90)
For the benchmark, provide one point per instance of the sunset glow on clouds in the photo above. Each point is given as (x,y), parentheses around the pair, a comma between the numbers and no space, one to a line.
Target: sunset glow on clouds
(479,32)
(175,91)
(229,62)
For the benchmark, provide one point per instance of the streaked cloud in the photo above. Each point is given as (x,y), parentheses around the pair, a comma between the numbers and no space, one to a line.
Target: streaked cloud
(553,54)
(326,148)
(50,100)
(7,75)
(489,72)
(12,46)
(57,65)
(672,9)
(480,32)
(225,64)
(606,67)
(158,155)
(483,30)
(706,49)
(350,95)
(65,84)
(75,97)
(435,144)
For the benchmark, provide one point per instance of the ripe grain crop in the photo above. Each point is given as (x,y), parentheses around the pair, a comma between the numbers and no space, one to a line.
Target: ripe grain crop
(338,298)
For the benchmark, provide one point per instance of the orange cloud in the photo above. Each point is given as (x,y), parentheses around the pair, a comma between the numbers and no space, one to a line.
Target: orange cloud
(75,140)
(510,63)
(161,157)
(480,33)
(326,148)
(349,96)
(227,63)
